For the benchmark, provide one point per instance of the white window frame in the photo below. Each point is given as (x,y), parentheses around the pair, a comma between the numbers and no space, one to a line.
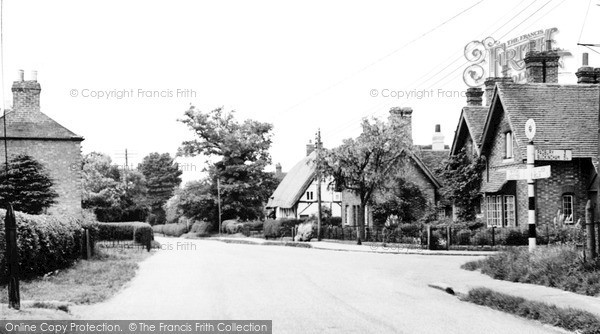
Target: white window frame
(309,196)
(508,148)
(568,218)
(509,210)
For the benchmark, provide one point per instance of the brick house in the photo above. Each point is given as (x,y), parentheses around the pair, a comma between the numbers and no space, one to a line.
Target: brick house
(567,119)
(418,167)
(31,132)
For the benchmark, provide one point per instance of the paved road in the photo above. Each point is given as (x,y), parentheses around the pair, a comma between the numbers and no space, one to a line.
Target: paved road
(303,291)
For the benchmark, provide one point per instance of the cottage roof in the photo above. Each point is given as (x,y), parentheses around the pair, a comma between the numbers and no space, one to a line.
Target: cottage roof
(471,122)
(293,185)
(37,126)
(566,116)
(434,160)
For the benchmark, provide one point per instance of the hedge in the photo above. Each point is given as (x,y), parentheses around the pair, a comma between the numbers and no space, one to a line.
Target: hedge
(280,227)
(172,230)
(136,231)
(46,243)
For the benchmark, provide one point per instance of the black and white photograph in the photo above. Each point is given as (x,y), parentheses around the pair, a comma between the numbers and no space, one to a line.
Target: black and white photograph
(270,166)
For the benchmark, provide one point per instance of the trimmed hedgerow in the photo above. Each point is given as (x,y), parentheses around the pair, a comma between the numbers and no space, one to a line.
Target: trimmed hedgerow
(137,231)
(46,243)
(568,318)
(171,230)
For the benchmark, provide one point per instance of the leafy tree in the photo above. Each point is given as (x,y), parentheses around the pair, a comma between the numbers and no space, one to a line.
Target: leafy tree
(28,186)
(364,164)
(403,200)
(463,176)
(162,176)
(112,193)
(243,149)
(198,201)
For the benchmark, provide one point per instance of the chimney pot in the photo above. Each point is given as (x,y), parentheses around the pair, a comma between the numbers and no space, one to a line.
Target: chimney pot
(21,75)
(532,46)
(310,147)
(437,128)
(548,45)
(34,75)
(474,96)
(585,59)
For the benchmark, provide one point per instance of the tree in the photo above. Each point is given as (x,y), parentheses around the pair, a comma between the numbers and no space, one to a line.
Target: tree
(463,175)
(243,149)
(162,176)
(403,200)
(364,164)
(28,186)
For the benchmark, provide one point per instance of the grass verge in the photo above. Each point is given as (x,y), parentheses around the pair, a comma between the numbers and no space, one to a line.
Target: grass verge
(556,266)
(86,282)
(566,318)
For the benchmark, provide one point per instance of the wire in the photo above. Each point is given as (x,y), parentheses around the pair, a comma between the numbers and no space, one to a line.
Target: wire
(381,59)
(592,49)
(584,20)
(2,86)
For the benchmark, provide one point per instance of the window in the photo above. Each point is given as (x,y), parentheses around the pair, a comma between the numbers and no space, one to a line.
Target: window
(441,213)
(509,210)
(309,195)
(567,204)
(508,145)
(501,210)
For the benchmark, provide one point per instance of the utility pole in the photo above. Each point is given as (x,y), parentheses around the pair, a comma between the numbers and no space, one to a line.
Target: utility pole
(219,201)
(318,145)
(530,132)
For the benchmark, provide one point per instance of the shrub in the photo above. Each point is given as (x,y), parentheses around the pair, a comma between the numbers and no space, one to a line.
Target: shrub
(567,318)
(463,237)
(481,238)
(514,237)
(305,232)
(410,230)
(560,267)
(46,243)
(280,227)
(255,225)
(174,230)
(158,228)
(137,231)
(201,228)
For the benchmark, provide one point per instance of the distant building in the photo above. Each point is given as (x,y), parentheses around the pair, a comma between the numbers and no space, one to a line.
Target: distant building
(296,195)
(567,119)
(418,169)
(31,132)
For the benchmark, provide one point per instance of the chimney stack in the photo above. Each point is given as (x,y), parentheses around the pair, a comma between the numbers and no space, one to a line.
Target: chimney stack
(474,97)
(437,143)
(402,118)
(586,74)
(541,66)
(310,147)
(490,84)
(26,97)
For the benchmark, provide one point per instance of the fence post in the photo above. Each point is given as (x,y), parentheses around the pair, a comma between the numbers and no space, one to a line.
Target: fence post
(88,246)
(448,237)
(429,244)
(493,235)
(591,235)
(12,258)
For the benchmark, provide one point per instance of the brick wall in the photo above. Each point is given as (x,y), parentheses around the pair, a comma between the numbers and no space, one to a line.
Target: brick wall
(567,177)
(62,160)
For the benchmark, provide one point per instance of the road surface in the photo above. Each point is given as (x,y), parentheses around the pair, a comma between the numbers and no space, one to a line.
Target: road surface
(302,291)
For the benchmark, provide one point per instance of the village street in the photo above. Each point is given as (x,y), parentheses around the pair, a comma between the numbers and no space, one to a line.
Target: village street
(303,291)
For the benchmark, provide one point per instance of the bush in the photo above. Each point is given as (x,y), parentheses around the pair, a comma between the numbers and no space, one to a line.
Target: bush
(171,230)
(137,231)
(46,243)
(410,230)
(567,318)
(306,231)
(514,237)
(201,228)
(280,227)
(463,237)
(560,267)
(255,225)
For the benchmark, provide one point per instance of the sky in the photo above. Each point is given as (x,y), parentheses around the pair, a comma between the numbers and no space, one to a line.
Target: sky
(121,73)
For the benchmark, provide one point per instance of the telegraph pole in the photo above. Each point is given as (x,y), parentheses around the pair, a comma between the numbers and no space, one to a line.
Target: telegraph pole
(219,201)
(530,132)
(318,145)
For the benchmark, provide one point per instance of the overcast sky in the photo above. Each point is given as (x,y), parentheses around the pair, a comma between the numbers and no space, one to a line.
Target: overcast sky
(300,65)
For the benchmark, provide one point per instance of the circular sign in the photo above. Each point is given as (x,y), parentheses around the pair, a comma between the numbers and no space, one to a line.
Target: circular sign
(530,129)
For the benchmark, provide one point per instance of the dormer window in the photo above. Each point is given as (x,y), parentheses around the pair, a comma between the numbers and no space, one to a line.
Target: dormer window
(508,145)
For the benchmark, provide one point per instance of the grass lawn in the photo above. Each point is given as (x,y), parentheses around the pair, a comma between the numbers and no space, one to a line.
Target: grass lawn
(86,282)
(554,266)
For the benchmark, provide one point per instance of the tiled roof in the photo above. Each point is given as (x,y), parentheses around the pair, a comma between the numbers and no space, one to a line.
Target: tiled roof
(294,184)
(417,159)
(497,181)
(39,126)
(475,117)
(434,160)
(566,116)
